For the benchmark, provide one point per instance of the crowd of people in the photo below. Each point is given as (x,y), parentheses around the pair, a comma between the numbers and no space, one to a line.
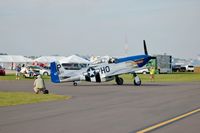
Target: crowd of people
(26,71)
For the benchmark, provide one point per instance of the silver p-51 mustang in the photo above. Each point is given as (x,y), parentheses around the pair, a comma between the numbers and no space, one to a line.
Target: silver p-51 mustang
(102,72)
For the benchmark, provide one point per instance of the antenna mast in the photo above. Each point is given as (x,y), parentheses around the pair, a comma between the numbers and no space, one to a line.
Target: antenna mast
(126,44)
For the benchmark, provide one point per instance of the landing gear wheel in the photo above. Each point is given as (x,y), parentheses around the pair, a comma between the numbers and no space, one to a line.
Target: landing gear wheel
(75,84)
(119,81)
(137,81)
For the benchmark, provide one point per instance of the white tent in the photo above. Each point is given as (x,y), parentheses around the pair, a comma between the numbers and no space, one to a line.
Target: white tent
(48,59)
(10,61)
(14,58)
(74,59)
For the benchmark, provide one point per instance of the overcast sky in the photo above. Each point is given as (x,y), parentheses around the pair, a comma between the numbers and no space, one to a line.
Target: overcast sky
(100,27)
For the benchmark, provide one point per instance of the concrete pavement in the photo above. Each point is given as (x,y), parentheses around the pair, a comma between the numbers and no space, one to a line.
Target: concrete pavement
(103,108)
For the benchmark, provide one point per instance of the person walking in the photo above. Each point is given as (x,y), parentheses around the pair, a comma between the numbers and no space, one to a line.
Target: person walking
(39,85)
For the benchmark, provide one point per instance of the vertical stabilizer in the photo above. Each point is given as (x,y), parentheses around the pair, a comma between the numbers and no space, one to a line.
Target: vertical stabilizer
(54,73)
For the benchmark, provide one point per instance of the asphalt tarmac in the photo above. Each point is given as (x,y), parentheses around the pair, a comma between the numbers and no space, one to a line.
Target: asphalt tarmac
(104,108)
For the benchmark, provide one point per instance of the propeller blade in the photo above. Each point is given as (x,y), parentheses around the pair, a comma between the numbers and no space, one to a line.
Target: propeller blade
(145,48)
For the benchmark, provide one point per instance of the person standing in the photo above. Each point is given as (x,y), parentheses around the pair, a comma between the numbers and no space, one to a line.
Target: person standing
(18,69)
(152,73)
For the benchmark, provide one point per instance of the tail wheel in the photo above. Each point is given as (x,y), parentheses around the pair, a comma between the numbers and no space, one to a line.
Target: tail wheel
(119,81)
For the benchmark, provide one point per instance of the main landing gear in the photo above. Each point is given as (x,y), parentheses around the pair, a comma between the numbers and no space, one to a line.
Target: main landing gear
(75,83)
(137,81)
(119,80)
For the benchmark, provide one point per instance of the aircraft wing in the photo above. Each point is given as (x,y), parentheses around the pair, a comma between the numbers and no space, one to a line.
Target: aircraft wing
(122,70)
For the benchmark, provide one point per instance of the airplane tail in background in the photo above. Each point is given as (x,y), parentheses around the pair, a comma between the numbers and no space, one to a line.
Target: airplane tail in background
(54,73)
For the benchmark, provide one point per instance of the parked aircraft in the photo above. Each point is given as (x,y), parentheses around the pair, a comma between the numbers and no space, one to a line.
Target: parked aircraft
(102,72)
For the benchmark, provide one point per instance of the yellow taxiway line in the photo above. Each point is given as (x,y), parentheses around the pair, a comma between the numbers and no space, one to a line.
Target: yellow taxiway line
(168,121)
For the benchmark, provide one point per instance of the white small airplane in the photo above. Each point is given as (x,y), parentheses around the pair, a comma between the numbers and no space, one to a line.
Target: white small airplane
(102,72)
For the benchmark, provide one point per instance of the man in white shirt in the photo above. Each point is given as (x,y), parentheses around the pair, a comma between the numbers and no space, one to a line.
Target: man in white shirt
(39,85)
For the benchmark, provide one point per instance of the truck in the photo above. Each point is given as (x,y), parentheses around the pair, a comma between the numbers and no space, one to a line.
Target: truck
(162,63)
(178,68)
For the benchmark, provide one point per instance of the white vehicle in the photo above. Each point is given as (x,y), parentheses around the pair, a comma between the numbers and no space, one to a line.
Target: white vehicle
(189,68)
(36,69)
(44,71)
(102,72)
(143,71)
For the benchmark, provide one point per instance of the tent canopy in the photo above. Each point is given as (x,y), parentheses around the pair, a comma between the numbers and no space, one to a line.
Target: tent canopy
(74,59)
(14,58)
(48,59)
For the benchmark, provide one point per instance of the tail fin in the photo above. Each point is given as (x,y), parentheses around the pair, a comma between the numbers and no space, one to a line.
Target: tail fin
(145,48)
(54,73)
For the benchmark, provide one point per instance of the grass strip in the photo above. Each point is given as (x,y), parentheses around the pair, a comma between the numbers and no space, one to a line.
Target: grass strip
(16,98)
(173,77)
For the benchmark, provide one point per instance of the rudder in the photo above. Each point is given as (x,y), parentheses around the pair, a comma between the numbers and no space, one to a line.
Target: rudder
(54,73)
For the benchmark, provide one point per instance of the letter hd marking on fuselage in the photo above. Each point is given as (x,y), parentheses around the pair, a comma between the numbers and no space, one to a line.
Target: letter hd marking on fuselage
(105,69)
